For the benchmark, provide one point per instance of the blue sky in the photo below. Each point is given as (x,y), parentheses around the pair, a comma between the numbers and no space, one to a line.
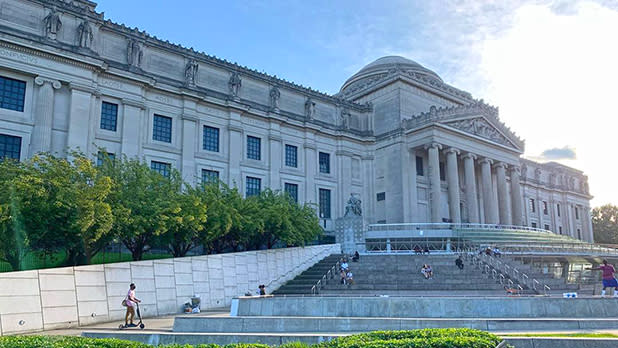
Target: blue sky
(550,65)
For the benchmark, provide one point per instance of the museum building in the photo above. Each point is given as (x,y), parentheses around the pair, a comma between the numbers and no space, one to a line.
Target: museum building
(411,147)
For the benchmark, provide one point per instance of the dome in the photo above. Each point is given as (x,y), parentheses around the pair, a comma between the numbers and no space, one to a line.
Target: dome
(384,65)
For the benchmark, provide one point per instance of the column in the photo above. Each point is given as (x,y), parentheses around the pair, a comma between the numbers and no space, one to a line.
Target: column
(131,128)
(434,180)
(368,191)
(470,181)
(189,136)
(274,145)
(516,199)
(79,118)
(412,186)
(489,204)
(588,225)
(310,172)
(452,177)
(344,179)
(503,207)
(236,152)
(43,116)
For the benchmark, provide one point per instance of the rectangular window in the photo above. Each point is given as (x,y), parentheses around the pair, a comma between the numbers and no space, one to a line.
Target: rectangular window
(109,116)
(10,147)
(324,163)
(558,209)
(254,148)
(533,225)
(292,190)
(419,166)
(102,156)
(532,205)
(12,94)
(211,139)
(545,210)
(291,156)
(547,227)
(209,176)
(442,172)
(162,129)
(254,186)
(579,234)
(324,203)
(381,196)
(162,168)
(560,229)
(576,213)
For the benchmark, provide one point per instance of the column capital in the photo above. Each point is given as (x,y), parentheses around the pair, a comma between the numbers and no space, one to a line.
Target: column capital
(500,165)
(40,81)
(469,155)
(486,160)
(454,150)
(433,145)
(515,170)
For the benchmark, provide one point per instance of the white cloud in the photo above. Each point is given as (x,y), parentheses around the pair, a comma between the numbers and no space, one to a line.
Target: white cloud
(559,153)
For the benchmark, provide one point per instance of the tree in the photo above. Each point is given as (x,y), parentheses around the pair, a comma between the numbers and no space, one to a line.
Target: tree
(187,220)
(605,224)
(13,237)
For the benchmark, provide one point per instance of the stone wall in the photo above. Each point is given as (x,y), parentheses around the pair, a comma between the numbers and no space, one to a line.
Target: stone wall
(73,296)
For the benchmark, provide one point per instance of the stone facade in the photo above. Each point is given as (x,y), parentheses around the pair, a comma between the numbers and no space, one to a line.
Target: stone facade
(411,147)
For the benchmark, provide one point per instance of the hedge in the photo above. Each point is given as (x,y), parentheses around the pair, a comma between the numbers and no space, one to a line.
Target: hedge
(425,338)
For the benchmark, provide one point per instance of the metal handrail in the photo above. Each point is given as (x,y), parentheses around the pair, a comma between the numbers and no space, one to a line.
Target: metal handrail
(315,289)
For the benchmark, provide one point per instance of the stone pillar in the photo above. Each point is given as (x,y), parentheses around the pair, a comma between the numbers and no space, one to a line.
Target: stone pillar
(434,180)
(368,191)
(470,181)
(452,177)
(412,186)
(132,121)
(503,205)
(588,225)
(489,204)
(516,208)
(43,115)
(344,180)
(274,142)
(79,118)
(189,137)
(310,172)
(236,152)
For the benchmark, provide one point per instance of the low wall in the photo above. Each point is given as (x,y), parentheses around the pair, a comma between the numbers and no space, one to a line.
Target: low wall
(74,296)
(429,307)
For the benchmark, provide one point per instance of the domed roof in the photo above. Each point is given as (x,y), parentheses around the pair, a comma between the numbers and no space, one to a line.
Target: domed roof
(386,64)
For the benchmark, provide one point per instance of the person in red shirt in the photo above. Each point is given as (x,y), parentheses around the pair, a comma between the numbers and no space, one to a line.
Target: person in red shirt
(608,277)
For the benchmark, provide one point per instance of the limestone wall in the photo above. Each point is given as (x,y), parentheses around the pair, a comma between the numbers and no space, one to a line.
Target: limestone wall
(73,296)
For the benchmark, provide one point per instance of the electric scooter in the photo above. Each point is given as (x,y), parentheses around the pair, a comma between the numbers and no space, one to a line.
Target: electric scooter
(140,324)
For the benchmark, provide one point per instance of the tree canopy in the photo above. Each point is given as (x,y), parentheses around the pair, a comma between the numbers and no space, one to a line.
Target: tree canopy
(605,224)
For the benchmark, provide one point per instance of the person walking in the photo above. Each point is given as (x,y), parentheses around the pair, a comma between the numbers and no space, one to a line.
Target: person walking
(131,302)
(608,277)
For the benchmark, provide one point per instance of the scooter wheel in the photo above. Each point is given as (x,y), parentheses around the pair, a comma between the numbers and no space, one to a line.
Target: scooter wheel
(142,326)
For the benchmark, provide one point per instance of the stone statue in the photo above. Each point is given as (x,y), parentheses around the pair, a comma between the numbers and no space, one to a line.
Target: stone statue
(134,53)
(309,109)
(52,24)
(85,35)
(191,72)
(234,84)
(274,98)
(353,207)
(345,117)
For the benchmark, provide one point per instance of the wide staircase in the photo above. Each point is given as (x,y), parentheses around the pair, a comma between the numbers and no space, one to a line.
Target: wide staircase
(304,283)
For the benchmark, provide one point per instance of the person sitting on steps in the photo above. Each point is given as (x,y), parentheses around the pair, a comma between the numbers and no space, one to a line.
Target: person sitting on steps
(356,256)
(418,250)
(426,271)
(349,278)
(459,263)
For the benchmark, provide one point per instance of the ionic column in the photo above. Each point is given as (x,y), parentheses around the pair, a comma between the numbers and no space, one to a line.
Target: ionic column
(189,136)
(516,208)
(452,177)
(489,203)
(434,180)
(503,208)
(44,112)
(470,181)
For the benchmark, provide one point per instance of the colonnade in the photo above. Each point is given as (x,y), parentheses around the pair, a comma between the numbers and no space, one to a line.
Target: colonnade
(494,212)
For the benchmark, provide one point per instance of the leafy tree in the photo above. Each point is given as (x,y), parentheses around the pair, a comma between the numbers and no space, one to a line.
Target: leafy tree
(605,224)
(187,220)
(13,237)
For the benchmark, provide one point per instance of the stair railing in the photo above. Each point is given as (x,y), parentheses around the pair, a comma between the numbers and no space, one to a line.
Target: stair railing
(330,274)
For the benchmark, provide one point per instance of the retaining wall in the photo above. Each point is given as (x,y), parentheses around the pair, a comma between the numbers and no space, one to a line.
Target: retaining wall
(74,296)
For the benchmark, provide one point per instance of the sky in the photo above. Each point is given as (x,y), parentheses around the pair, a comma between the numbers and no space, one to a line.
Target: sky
(550,66)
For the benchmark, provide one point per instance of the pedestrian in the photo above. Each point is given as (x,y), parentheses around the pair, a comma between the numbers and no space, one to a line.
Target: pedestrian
(608,277)
(262,289)
(131,302)
(459,262)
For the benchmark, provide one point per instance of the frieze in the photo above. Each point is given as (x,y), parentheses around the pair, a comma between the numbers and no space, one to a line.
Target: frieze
(18,56)
(478,126)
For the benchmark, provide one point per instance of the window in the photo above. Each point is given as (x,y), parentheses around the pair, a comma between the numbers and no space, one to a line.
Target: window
(109,116)
(560,229)
(102,156)
(532,205)
(209,176)
(162,168)
(211,139)
(291,156)
(381,221)
(558,209)
(381,196)
(254,148)
(533,224)
(545,212)
(576,213)
(12,94)
(442,172)
(419,166)
(254,186)
(579,234)
(292,190)
(162,128)
(547,227)
(324,203)
(324,163)
(10,147)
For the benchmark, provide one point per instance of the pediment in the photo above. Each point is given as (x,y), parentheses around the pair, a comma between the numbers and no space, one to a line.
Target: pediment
(481,127)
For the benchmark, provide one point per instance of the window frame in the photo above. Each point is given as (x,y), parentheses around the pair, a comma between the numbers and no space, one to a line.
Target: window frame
(157,130)
(101,157)
(252,179)
(207,177)
(207,142)
(15,100)
(103,121)
(167,168)
(291,158)
(324,167)
(254,144)
(293,195)
(5,144)
(420,170)
(325,210)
